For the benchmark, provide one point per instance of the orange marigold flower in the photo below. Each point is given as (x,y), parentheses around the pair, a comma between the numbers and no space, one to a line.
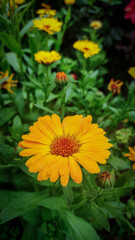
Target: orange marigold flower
(47,57)
(57,147)
(115,86)
(61,78)
(49,25)
(131,155)
(6,81)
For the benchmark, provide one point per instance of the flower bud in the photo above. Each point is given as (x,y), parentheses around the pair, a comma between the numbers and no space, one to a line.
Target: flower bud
(69,2)
(61,78)
(123,135)
(105,180)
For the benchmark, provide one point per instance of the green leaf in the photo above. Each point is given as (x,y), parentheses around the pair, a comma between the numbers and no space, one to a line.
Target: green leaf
(19,102)
(78,228)
(47,110)
(6,114)
(13,61)
(116,192)
(131,116)
(99,215)
(26,28)
(6,151)
(21,205)
(10,42)
(68,93)
(54,203)
(40,96)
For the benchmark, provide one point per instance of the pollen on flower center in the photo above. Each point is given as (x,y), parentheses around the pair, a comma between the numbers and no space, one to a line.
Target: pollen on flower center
(64,146)
(85,48)
(47,26)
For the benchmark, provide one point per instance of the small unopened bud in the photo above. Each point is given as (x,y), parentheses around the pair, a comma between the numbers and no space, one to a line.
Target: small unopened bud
(105,180)
(123,135)
(61,78)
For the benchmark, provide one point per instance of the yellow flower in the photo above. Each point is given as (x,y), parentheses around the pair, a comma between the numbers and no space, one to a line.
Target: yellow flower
(47,57)
(115,86)
(43,12)
(50,25)
(96,24)
(89,48)
(8,83)
(131,155)
(57,147)
(131,71)
(69,2)
(17,2)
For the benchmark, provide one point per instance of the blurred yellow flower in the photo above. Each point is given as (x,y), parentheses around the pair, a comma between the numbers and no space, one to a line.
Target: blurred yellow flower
(131,71)
(49,25)
(58,148)
(96,24)
(8,83)
(131,155)
(89,48)
(115,86)
(17,2)
(69,2)
(47,57)
(43,11)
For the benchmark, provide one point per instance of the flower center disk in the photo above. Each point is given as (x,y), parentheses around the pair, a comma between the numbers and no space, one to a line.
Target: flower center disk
(64,146)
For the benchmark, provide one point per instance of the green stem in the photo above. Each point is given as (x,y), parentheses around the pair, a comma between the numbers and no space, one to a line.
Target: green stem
(63,103)
(67,19)
(68,193)
(83,74)
(47,80)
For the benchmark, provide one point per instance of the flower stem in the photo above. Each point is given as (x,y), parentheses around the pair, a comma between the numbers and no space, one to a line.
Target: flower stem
(67,19)
(63,103)
(47,80)
(83,74)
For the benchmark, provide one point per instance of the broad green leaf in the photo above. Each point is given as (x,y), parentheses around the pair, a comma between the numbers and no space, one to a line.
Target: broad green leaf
(6,114)
(10,42)
(68,93)
(99,215)
(30,232)
(125,178)
(54,203)
(26,28)
(19,102)
(21,205)
(47,110)
(78,228)
(116,192)
(40,96)
(13,61)
(131,116)
(33,175)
